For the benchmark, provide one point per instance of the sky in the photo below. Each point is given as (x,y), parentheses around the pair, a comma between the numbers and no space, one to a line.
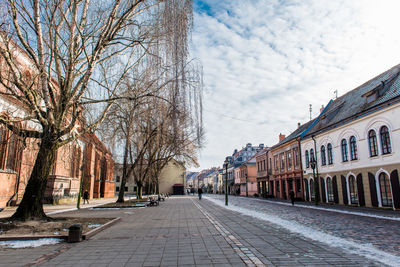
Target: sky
(265,62)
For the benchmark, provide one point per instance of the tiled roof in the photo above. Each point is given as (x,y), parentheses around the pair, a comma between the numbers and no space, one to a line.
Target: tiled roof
(354,103)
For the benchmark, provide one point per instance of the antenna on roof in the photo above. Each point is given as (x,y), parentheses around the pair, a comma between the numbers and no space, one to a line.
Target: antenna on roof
(335,92)
(310,111)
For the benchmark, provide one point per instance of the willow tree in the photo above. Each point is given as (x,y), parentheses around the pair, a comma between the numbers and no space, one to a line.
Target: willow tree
(176,102)
(53,52)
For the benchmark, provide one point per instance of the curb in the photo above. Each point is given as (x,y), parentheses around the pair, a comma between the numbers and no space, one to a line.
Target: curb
(85,236)
(99,229)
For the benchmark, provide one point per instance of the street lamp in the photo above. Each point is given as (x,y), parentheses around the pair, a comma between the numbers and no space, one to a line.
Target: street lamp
(313,164)
(226,181)
(247,185)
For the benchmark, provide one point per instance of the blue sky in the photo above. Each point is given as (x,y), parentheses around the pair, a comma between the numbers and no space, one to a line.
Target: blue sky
(265,61)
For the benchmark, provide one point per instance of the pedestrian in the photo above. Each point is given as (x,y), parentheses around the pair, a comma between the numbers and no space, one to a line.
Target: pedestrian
(291,194)
(200,192)
(192,191)
(86,197)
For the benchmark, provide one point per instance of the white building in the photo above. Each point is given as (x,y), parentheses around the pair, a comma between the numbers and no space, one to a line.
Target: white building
(356,145)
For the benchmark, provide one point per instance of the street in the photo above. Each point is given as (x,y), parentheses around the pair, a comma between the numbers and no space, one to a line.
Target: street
(186,231)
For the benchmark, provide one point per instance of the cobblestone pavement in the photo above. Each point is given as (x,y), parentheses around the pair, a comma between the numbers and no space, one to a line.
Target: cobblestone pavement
(184,231)
(383,234)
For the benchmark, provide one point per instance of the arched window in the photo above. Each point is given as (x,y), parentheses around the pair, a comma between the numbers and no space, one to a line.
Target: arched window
(312,154)
(386,194)
(373,145)
(312,190)
(353,148)
(307,160)
(344,150)
(12,153)
(353,190)
(329,189)
(3,147)
(385,140)
(323,156)
(330,155)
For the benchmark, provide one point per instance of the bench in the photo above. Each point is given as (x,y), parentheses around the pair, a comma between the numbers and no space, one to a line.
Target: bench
(161,198)
(153,202)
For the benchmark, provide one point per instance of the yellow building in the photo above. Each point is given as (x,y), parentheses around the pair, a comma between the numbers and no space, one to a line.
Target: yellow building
(172,177)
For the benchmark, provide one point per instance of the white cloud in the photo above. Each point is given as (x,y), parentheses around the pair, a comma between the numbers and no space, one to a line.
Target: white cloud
(266,61)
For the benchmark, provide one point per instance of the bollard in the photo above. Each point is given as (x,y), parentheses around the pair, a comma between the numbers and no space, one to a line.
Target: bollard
(75,233)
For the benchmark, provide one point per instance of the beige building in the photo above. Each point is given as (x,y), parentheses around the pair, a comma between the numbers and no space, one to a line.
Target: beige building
(172,178)
(172,174)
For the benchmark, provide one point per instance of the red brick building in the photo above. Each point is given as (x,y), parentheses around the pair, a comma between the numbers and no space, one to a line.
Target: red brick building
(87,158)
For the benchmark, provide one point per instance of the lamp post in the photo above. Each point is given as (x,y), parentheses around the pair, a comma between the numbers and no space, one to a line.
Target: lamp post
(247,185)
(226,181)
(313,165)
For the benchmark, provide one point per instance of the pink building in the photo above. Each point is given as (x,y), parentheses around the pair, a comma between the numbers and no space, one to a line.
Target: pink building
(248,178)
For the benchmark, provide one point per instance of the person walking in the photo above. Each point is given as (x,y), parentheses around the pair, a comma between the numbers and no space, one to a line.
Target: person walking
(200,192)
(291,194)
(86,197)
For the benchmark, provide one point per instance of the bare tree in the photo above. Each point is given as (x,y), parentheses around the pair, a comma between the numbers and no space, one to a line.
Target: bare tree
(152,130)
(54,53)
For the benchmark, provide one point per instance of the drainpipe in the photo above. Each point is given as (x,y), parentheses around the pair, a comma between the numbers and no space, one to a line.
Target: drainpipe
(316,182)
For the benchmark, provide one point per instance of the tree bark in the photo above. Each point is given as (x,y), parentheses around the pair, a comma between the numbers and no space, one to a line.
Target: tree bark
(139,191)
(121,193)
(31,206)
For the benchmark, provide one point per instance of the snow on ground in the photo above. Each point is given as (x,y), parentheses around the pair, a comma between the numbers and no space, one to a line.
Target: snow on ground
(335,210)
(30,243)
(366,250)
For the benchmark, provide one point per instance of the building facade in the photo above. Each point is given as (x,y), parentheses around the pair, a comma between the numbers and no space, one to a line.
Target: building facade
(354,145)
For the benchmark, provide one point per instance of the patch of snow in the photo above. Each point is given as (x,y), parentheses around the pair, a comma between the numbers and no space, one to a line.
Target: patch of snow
(30,243)
(365,250)
(335,210)
(95,225)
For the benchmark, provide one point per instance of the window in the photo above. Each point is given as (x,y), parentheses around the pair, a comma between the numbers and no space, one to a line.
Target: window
(117,188)
(344,150)
(3,146)
(277,186)
(296,157)
(386,194)
(385,140)
(276,163)
(307,160)
(373,145)
(312,155)
(118,179)
(13,153)
(289,159)
(270,164)
(330,155)
(126,188)
(353,190)
(282,161)
(353,148)
(323,156)
(329,189)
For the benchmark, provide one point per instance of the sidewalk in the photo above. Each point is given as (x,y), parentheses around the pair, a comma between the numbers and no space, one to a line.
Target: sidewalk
(53,209)
(184,231)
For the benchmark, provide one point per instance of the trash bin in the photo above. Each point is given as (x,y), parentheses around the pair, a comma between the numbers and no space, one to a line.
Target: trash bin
(75,233)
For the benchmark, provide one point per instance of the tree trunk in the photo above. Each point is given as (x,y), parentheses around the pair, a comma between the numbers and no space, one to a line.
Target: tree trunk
(31,206)
(139,191)
(121,193)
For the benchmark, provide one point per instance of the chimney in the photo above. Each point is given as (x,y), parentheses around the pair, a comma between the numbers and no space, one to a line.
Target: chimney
(298,125)
(322,109)
(281,137)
